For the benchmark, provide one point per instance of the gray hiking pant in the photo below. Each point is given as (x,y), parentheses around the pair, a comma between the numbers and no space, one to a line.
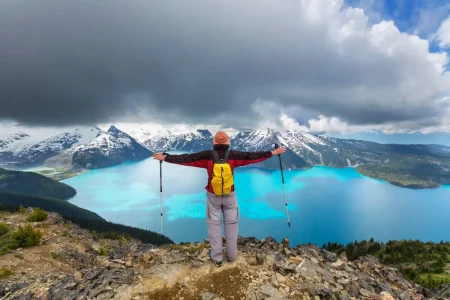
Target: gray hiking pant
(215,207)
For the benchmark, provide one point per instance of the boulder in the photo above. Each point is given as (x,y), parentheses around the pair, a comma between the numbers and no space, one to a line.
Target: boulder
(267,291)
(174,257)
(338,265)
(328,256)
(207,296)
(119,253)
(268,243)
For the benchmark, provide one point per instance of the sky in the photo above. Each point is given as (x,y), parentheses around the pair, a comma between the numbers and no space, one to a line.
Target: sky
(376,70)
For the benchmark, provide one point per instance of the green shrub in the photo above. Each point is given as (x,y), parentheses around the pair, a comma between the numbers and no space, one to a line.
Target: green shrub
(21,209)
(5,273)
(37,215)
(26,237)
(3,229)
(103,251)
(113,235)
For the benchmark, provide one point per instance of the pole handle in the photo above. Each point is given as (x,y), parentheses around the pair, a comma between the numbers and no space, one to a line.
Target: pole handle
(281,165)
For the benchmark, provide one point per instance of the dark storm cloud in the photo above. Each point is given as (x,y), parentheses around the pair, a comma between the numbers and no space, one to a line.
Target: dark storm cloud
(73,62)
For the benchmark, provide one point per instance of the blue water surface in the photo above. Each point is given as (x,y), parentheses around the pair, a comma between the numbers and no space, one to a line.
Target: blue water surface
(325,204)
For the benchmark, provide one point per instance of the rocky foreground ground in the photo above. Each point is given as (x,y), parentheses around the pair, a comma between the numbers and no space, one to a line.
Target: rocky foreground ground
(71,263)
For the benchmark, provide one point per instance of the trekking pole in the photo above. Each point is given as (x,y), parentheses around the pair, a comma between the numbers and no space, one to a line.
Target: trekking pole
(284,189)
(161,190)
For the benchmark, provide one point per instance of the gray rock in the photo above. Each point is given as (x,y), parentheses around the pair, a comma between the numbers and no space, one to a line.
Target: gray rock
(247,241)
(267,291)
(119,253)
(279,262)
(328,256)
(367,287)
(323,292)
(307,269)
(195,263)
(290,268)
(353,289)
(444,292)
(27,296)
(366,293)
(11,287)
(76,259)
(338,265)
(259,258)
(269,243)
(402,296)
(349,269)
(309,249)
(207,296)
(343,281)
(273,281)
(95,282)
(143,248)
(343,295)
(173,257)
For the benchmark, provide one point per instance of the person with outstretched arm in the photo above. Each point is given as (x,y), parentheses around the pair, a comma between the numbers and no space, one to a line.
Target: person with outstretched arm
(221,197)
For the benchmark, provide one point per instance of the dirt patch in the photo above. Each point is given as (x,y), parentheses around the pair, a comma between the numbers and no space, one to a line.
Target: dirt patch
(34,260)
(229,284)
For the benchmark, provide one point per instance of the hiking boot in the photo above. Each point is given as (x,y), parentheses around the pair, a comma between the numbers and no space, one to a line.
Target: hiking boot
(217,263)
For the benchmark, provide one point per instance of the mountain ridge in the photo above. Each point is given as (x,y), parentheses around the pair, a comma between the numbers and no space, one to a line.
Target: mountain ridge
(305,150)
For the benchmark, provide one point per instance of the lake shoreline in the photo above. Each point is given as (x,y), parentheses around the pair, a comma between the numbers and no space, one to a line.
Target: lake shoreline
(325,203)
(61,175)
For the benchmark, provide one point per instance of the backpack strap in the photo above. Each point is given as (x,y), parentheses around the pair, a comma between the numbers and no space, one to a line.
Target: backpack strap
(215,156)
(227,152)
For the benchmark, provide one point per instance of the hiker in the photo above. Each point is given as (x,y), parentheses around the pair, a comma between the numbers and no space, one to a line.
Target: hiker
(221,197)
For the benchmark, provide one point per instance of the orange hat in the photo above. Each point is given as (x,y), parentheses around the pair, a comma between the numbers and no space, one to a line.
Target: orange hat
(221,138)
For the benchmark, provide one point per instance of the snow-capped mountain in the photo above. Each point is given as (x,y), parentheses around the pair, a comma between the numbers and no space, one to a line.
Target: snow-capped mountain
(314,149)
(185,141)
(303,149)
(253,140)
(10,146)
(95,148)
(87,147)
(109,148)
(12,141)
(22,152)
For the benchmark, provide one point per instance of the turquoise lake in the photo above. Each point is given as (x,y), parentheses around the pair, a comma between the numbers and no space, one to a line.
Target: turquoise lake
(325,204)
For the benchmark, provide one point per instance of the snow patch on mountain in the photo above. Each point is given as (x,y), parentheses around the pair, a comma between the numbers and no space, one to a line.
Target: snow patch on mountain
(109,142)
(23,149)
(15,142)
(60,142)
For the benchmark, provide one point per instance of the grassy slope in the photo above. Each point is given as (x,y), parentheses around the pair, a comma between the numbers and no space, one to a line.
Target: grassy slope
(84,218)
(425,263)
(60,175)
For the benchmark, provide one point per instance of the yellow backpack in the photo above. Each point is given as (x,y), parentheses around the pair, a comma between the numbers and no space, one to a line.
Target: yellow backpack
(222,176)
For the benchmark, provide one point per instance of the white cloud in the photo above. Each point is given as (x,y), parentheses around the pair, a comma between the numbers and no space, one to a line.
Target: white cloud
(36,134)
(291,124)
(443,34)
(310,55)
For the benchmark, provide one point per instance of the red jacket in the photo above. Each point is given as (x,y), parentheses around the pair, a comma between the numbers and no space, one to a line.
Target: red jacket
(204,160)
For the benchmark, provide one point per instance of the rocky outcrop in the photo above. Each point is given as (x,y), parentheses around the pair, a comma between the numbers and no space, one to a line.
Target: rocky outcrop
(71,263)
